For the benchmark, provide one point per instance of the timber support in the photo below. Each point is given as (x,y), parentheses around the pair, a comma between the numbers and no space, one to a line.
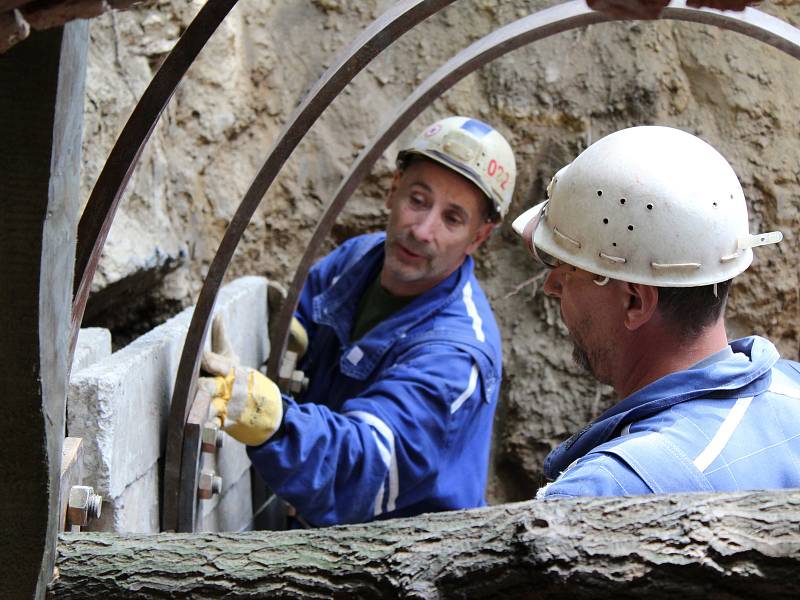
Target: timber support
(744,545)
(41,119)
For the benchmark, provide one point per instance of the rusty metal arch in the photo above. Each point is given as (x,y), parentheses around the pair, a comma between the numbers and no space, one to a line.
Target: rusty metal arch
(537,26)
(98,215)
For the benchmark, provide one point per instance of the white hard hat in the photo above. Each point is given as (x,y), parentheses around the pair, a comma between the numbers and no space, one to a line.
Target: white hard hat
(651,205)
(473,149)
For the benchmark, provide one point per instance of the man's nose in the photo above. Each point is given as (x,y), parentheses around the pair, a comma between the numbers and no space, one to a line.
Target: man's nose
(552,283)
(425,228)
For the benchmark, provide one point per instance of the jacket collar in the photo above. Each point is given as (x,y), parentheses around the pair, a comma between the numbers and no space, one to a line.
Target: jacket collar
(336,306)
(745,373)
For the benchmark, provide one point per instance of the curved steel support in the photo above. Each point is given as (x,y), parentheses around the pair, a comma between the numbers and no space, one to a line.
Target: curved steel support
(557,19)
(99,213)
(378,35)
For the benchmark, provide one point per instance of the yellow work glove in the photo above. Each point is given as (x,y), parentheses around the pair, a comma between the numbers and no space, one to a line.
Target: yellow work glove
(247,404)
(298,338)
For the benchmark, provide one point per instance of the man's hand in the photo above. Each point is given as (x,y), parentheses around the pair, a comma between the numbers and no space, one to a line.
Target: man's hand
(298,337)
(247,404)
(629,9)
(221,359)
(722,4)
(651,9)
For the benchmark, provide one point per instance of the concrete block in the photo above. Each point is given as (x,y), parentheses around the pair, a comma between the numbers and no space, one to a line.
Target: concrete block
(94,344)
(135,510)
(120,405)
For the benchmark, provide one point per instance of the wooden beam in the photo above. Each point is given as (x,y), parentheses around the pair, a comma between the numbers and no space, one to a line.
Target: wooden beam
(744,545)
(41,121)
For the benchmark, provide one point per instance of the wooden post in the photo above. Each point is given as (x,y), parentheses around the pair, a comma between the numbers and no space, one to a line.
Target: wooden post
(41,121)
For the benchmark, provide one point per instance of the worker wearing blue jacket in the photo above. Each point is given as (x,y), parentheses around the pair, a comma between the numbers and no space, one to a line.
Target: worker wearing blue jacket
(403,353)
(643,232)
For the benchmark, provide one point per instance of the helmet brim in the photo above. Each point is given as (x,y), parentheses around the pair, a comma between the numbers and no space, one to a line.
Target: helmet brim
(522,220)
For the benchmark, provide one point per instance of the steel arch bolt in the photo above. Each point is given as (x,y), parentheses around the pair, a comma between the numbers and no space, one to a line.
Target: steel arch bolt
(208,485)
(211,437)
(84,505)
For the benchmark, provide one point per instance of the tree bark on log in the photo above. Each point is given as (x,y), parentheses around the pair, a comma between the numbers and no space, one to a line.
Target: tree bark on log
(743,545)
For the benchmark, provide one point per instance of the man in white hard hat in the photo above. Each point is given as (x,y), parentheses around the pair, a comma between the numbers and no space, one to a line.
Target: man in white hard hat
(403,357)
(643,232)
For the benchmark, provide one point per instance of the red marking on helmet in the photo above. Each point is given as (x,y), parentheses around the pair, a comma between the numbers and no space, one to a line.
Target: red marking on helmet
(432,130)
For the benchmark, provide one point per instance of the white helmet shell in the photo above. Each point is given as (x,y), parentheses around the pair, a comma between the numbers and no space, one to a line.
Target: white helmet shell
(651,205)
(473,149)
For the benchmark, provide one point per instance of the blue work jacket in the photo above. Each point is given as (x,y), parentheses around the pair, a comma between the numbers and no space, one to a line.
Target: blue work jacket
(398,423)
(730,422)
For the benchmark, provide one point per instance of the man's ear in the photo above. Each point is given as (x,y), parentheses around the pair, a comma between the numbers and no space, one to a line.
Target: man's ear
(641,304)
(393,188)
(481,235)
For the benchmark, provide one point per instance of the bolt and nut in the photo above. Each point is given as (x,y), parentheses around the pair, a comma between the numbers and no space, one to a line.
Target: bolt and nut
(208,485)
(298,383)
(210,437)
(84,505)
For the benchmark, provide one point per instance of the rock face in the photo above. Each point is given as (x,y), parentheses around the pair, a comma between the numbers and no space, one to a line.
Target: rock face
(552,99)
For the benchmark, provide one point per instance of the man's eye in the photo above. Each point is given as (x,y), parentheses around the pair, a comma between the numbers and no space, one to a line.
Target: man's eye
(417,200)
(453,219)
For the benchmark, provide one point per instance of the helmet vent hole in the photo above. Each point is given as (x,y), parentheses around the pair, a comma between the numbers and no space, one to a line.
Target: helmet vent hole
(630,227)
(714,204)
(614,244)
(599,192)
(649,207)
(605,221)
(622,200)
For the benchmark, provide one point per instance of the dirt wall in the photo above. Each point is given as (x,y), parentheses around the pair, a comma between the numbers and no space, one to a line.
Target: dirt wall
(551,99)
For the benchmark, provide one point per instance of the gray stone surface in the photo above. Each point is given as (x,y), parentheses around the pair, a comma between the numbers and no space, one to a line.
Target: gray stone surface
(135,510)
(94,344)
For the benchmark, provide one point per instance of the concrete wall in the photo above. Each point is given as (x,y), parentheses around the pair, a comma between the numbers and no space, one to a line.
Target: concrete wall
(119,404)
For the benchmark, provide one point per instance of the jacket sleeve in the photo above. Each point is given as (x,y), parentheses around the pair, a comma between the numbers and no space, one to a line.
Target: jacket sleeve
(382,450)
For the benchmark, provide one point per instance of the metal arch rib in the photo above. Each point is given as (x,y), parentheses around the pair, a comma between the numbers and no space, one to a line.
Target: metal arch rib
(99,213)
(540,25)
(750,22)
(378,35)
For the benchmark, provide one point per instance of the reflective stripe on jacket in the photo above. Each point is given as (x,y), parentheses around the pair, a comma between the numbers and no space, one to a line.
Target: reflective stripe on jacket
(398,423)
(733,424)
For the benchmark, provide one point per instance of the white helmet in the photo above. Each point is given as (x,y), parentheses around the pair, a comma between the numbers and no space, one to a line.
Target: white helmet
(472,149)
(651,205)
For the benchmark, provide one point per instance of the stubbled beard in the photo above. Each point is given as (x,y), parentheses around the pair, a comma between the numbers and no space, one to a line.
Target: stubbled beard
(581,358)
(584,360)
